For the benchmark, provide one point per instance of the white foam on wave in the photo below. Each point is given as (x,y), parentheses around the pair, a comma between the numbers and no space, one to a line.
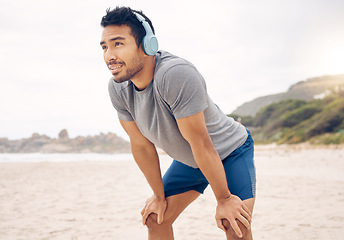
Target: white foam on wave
(63,157)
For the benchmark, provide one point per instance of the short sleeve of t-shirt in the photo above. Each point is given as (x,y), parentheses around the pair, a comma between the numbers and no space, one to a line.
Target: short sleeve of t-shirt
(122,112)
(184,89)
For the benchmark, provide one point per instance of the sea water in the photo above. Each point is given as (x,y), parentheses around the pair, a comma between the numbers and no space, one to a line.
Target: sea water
(63,157)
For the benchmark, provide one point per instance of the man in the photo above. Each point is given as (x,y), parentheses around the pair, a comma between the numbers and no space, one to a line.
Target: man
(161,100)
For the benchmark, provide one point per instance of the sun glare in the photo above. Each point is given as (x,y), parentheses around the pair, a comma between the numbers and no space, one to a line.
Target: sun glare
(333,61)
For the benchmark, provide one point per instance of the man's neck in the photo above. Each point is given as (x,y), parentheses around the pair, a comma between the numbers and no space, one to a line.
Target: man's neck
(143,79)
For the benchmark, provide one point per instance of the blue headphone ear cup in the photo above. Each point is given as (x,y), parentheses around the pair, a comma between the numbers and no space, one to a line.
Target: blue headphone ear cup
(150,44)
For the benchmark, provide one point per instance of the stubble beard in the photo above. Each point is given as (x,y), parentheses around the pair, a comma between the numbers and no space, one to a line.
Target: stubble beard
(137,66)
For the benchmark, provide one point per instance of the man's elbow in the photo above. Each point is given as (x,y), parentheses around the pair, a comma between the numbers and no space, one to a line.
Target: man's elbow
(202,142)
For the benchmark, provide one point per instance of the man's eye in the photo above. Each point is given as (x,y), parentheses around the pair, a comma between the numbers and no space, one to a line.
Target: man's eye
(117,44)
(103,47)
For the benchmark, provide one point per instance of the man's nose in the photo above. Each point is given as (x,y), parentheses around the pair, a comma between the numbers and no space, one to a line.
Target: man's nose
(110,55)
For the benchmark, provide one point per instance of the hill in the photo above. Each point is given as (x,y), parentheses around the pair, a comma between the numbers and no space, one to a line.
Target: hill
(305,90)
(319,121)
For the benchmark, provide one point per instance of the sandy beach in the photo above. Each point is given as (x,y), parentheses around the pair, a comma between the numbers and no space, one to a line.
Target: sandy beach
(300,195)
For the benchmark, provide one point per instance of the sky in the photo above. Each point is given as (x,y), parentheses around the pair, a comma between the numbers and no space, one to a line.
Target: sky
(53,77)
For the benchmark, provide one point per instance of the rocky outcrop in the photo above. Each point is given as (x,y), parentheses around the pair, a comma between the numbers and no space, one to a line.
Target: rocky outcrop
(103,143)
(63,134)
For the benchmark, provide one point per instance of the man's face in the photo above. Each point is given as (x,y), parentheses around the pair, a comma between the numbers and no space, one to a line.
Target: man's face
(121,54)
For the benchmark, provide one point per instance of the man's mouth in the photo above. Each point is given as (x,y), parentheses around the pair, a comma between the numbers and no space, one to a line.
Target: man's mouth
(114,67)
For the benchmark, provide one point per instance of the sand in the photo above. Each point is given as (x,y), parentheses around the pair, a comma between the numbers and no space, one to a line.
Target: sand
(300,195)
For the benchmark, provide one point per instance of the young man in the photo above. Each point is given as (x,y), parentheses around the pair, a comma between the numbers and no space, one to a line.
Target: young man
(161,100)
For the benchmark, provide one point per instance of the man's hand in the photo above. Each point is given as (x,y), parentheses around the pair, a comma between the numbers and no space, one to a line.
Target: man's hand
(156,205)
(233,209)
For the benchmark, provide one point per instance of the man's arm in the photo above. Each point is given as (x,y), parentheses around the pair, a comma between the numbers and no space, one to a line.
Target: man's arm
(194,130)
(147,159)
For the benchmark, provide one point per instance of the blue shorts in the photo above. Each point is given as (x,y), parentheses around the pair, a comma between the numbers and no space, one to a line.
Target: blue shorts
(239,168)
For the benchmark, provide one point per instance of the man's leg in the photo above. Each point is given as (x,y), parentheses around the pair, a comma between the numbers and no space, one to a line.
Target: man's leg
(247,233)
(175,206)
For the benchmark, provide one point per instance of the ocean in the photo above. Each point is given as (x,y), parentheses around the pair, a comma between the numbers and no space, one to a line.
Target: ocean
(63,157)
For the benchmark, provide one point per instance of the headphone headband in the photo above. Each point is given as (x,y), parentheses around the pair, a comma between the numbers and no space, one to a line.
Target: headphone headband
(149,42)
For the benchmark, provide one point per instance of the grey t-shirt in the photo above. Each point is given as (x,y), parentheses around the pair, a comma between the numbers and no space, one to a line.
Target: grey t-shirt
(177,90)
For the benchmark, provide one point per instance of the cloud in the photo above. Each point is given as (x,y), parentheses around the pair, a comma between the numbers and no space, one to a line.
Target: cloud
(53,76)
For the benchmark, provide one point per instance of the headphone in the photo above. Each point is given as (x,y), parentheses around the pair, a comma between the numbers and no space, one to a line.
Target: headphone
(149,42)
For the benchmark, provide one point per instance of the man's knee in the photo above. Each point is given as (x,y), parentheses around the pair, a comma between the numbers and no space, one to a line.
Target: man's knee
(230,232)
(152,222)
(226,224)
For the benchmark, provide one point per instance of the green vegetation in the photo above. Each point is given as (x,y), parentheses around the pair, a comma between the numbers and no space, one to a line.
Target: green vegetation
(318,121)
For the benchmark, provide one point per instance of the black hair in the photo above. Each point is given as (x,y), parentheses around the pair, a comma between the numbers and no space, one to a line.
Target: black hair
(125,16)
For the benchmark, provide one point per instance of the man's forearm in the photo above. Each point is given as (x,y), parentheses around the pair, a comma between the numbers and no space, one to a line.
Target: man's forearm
(194,130)
(211,166)
(148,161)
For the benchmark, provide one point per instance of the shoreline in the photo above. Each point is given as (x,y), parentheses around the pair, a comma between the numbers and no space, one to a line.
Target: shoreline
(298,146)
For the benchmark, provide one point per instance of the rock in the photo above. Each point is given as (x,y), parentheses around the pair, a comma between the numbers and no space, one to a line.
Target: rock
(35,135)
(56,148)
(63,134)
